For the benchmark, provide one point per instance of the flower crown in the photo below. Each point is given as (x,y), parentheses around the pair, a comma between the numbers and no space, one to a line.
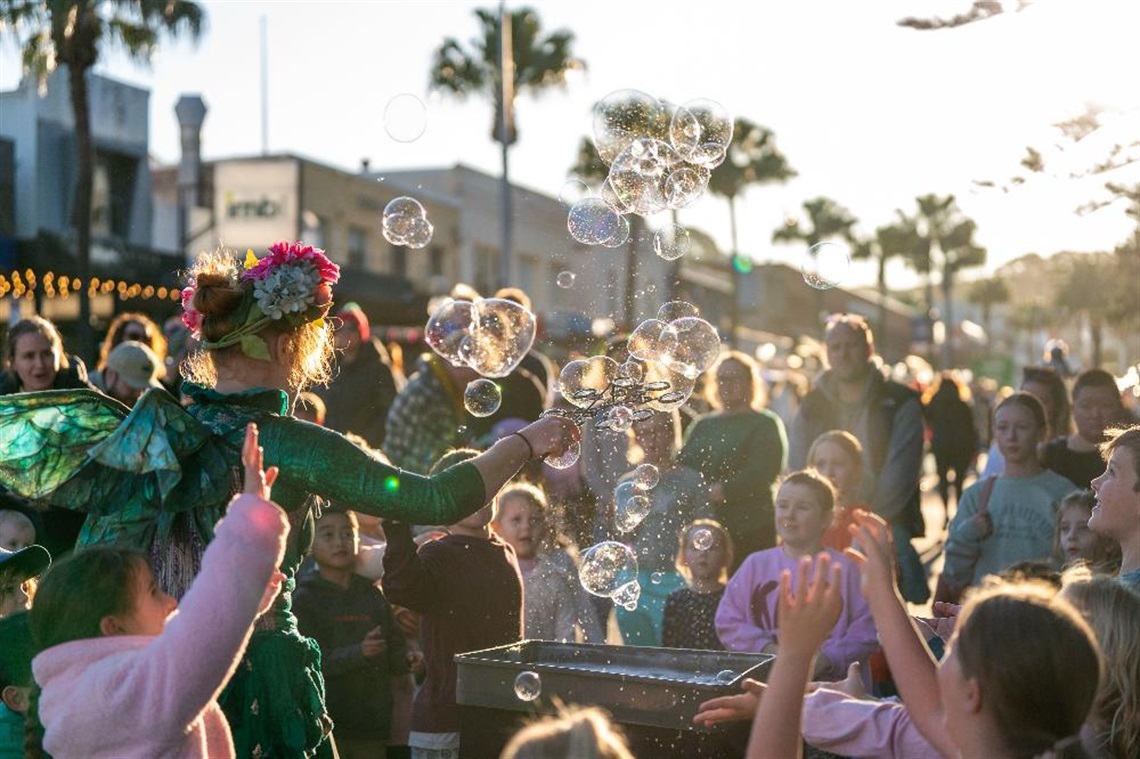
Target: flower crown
(292,283)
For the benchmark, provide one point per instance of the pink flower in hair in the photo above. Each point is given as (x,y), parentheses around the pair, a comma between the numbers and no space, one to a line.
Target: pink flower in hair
(283,253)
(191,317)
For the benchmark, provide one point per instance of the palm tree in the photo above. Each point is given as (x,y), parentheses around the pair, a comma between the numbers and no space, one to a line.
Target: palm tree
(72,33)
(827,220)
(1084,284)
(890,241)
(940,224)
(532,62)
(987,293)
(752,159)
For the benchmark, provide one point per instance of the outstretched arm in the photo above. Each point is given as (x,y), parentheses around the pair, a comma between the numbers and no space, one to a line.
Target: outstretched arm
(911,662)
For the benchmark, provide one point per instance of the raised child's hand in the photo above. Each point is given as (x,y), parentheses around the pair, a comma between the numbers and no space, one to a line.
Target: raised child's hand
(874,552)
(807,613)
(257,482)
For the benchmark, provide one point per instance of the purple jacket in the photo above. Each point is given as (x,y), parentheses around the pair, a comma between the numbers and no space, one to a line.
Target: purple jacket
(835,722)
(746,617)
(156,696)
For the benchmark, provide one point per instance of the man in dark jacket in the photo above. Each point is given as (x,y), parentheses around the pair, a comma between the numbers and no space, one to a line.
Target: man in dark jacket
(886,417)
(364,383)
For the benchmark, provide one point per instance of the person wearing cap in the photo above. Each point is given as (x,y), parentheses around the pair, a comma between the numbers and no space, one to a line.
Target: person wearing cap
(364,383)
(17,570)
(132,368)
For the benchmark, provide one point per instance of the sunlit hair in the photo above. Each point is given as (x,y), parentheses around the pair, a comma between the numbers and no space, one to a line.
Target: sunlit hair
(310,407)
(1058,395)
(1027,401)
(1127,438)
(78,591)
(1035,660)
(948,386)
(842,438)
(719,535)
(32,325)
(1113,612)
(578,732)
(451,458)
(219,293)
(854,322)
(1107,549)
(532,494)
(758,391)
(155,340)
(820,487)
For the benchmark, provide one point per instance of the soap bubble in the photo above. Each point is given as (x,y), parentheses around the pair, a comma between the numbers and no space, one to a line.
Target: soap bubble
(584,380)
(567,458)
(565,279)
(638,175)
(627,595)
(592,221)
(685,184)
(619,418)
(651,340)
(573,191)
(671,389)
(448,330)
(621,236)
(634,510)
(607,567)
(698,346)
(646,476)
(656,578)
(405,118)
(502,332)
(677,309)
(632,371)
(624,116)
(825,265)
(671,242)
(701,132)
(405,222)
(702,538)
(725,677)
(482,397)
(528,686)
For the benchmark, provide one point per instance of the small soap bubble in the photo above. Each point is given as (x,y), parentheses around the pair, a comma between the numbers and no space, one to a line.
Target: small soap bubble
(528,686)
(671,242)
(656,578)
(627,595)
(646,476)
(405,118)
(565,279)
(677,309)
(573,191)
(825,265)
(482,397)
(566,459)
(619,418)
(702,538)
(725,677)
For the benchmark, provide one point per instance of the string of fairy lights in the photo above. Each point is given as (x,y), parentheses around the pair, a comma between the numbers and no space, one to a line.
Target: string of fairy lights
(27,283)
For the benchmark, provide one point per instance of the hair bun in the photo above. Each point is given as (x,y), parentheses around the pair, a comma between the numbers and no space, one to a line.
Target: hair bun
(216,294)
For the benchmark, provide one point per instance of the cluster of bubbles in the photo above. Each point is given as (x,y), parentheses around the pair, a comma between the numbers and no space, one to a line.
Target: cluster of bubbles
(405,117)
(405,222)
(609,569)
(490,335)
(528,686)
(482,397)
(631,504)
(660,156)
(825,265)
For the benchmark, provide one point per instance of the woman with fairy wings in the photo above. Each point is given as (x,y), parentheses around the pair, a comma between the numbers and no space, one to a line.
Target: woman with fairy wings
(159,476)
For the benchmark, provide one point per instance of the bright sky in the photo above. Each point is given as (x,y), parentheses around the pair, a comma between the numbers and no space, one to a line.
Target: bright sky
(869,113)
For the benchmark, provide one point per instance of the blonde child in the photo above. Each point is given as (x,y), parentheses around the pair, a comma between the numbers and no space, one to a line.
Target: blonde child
(838,456)
(1011,518)
(703,559)
(16,530)
(554,602)
(113,654)
(1073,541)
(746,617)
(1117,511)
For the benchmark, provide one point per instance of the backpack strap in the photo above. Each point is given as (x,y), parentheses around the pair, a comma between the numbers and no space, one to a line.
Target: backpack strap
(987,489)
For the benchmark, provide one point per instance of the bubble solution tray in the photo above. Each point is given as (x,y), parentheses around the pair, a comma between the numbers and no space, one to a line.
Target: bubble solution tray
(658,687)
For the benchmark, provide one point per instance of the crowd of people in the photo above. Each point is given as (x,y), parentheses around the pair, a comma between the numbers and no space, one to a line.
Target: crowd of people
(333,527)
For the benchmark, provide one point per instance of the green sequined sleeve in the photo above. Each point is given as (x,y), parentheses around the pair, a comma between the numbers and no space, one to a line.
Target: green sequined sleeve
(317,460)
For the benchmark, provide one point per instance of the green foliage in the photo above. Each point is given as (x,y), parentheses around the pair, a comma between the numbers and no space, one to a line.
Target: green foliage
(753,158)
(826,220)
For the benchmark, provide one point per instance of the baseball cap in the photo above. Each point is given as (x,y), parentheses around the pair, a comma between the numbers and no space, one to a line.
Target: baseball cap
(136,364)
(26,563)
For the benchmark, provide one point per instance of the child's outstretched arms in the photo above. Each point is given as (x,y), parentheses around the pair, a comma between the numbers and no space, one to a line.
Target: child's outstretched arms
(912,666)
(806,616)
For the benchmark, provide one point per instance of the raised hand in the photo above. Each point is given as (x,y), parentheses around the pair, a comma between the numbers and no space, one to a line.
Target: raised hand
(257,481)
(874,552)
(550,435)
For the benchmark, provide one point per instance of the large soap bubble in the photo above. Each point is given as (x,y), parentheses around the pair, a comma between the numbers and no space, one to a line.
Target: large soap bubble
(651,340)
(607,567)
(566,459)
(448,330)
(405,118)
(638,173)
(482,397)
(502,333)
(583,381)
(672,389)
(825,265)
(405,222)
(592,221)
(701,132)
(671,242)
(698,346)
(624,116)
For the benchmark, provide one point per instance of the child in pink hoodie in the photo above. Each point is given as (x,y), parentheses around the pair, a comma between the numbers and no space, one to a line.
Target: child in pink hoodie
(119,674)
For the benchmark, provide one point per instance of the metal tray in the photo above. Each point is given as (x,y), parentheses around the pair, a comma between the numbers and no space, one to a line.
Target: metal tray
(657,687)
